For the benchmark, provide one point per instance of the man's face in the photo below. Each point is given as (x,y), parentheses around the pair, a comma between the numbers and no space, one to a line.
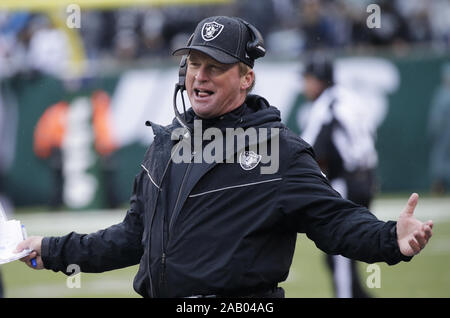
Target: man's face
(312,87)
(214,88)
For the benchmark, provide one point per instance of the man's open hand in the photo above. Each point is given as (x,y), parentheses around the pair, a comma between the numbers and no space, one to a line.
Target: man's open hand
(412,235)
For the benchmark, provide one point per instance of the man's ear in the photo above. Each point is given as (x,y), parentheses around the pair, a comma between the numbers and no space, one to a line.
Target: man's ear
(247,80)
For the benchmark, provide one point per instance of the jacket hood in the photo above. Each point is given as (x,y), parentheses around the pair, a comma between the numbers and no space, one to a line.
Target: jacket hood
(259,112)
(256,111)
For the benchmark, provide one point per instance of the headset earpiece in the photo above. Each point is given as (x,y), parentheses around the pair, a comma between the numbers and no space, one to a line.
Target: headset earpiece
(255,47)
(183,68)
(182,73)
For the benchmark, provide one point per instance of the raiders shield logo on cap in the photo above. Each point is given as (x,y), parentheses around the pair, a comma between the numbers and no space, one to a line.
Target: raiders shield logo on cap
(249,160)
(211,30)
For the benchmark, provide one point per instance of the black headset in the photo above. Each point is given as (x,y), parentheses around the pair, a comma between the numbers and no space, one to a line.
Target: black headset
(254,48)
(183,67)
(181,87)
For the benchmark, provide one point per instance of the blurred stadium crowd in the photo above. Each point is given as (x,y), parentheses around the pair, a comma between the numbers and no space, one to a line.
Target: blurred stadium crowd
(290,27)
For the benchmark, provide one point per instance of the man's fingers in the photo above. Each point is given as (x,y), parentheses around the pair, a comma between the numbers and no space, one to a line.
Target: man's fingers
(33,254)
(27,259)
(421,239)
(23,245)
(411,205)
(20,247)
(414,245)
(427,230)
(28,262)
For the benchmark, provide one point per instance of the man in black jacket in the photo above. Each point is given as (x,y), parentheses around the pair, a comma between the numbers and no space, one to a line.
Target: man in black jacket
(210,216)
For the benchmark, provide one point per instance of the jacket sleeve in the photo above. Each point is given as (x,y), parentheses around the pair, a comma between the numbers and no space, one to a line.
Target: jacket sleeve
(115,247)
(336,225)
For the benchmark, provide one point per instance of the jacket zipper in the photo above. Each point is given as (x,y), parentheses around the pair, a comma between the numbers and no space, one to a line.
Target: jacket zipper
(151,224)
(165,241)
(163,271)
(172,217)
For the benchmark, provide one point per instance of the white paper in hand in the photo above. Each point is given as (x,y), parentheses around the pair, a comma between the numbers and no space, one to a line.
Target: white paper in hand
(11,234)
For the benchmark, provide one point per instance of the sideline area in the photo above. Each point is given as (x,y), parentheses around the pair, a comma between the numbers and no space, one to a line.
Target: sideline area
(426,276)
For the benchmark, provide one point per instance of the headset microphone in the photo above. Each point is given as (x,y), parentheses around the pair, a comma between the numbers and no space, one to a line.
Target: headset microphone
(181,120)
(181,87)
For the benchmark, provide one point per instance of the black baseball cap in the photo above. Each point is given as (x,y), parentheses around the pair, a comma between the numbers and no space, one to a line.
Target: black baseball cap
(320,67)
(222,38)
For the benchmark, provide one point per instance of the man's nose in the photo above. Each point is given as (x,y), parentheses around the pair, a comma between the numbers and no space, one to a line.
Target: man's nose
(201,74)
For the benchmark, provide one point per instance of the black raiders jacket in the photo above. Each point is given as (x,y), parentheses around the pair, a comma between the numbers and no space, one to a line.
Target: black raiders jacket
(225,228)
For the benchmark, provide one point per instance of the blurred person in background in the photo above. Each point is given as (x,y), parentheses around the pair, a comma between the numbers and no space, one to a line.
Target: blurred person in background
(439,132)
(316,26)
(259,13)
(345,151)
(416,16)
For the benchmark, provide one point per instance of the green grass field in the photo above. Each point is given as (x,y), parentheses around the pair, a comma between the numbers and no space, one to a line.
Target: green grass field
(427,275)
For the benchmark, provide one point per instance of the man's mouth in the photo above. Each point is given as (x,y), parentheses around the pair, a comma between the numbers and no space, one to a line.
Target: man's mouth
(202,93)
